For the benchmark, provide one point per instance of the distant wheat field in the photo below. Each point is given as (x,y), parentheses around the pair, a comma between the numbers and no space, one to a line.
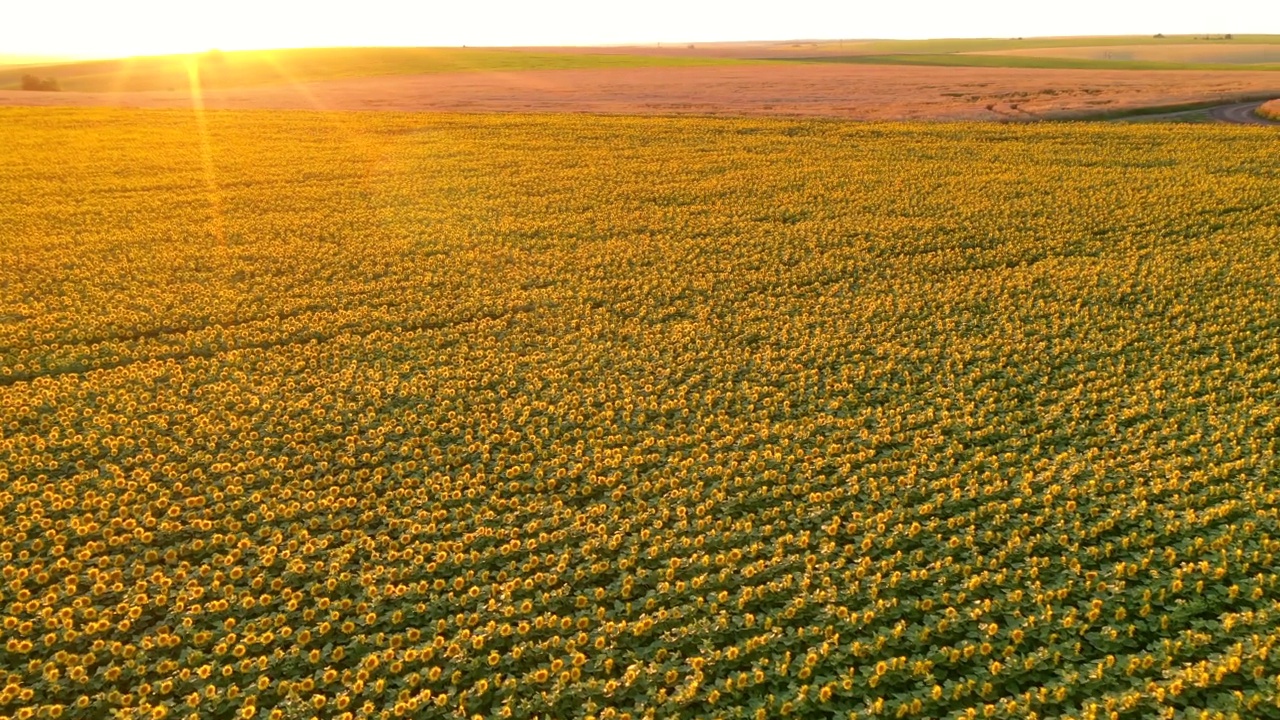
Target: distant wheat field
(815,89)
(1201,53)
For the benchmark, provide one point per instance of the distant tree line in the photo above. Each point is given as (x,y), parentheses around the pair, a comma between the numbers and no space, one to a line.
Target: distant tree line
(33,82)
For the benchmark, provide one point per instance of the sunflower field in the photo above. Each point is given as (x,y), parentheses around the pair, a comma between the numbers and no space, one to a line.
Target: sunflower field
(470,416)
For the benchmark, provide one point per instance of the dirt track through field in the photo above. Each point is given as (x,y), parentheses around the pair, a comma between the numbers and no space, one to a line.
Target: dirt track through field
(1242,113)
(864,92)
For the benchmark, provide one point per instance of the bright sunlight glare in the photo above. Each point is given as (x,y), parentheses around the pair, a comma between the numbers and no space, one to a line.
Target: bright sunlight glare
(101,28)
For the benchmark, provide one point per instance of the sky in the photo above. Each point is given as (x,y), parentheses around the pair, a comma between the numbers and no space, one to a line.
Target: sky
(104,28)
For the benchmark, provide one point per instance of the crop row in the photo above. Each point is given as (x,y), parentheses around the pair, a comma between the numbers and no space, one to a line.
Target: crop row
(476,416)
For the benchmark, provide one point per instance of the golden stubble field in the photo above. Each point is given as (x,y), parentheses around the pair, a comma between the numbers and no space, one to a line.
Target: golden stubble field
(863,92)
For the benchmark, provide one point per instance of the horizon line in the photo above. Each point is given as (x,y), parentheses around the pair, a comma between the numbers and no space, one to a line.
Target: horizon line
(43,58)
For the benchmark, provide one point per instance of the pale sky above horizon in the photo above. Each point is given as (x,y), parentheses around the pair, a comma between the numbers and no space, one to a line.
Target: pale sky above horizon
(138,27)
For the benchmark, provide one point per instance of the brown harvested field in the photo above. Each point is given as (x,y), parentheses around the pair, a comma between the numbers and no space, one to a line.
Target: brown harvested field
(864,92)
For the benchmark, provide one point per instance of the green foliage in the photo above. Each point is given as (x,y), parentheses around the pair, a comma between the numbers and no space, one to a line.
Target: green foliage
(958,52)
(1026,61)
(965,45)
(35,82)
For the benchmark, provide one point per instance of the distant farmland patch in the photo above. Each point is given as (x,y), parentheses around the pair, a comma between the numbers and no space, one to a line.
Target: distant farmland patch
(1129,52)
(974,45)
(845,90)
(288,67)
(1027,60)
(1203,53)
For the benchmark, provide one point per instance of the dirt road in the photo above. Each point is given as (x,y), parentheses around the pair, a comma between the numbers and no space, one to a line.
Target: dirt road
(1240,113)
(1236,113)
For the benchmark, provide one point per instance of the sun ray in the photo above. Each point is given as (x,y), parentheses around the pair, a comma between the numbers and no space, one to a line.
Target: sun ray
(206,150)
(293,83)
(123,72)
